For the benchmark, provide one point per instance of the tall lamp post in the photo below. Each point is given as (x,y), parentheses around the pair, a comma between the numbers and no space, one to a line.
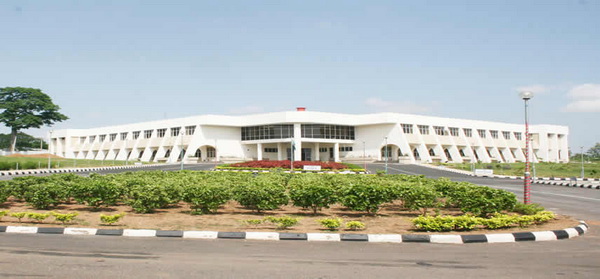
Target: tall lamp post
(526,96)
(49,156)
(582,172)
(181,151)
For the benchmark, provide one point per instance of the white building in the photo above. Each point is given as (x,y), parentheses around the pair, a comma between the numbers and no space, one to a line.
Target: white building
(315,136)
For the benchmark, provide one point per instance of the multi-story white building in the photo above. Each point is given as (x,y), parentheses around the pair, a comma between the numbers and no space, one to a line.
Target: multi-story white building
(314,136)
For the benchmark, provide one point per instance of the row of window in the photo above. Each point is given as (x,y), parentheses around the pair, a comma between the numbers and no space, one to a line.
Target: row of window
(189,130)
(284,131)
(321,149)
(454,131)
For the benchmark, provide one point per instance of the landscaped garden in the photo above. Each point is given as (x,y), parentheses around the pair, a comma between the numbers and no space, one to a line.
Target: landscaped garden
(304,202)
(542,169)
(26,162)
(288,165)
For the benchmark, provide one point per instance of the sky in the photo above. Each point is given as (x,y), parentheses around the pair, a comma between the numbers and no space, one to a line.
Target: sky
(116,62)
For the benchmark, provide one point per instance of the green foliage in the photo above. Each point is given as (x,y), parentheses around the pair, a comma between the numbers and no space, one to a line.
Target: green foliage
(417,197)
(24,108)
(18,215)
(469,222)
(283,222)
(528,209)
(355,225)
(364,196)
(24,142)
(39,217)
(206,198)
(45,194)
(97,191)
(64,217)
(111,219)
(3,213)
(261,193)
(253,222)
(482,201)
(332,224)
(311,191)
(498,221)
(4,191)
(145,196)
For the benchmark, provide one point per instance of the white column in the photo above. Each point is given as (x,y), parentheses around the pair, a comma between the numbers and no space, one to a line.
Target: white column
(259,151)
(279,151)
(297,142)
(316,152)
(336,152)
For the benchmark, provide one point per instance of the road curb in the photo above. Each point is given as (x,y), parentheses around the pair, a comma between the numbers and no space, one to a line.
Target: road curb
(567,233)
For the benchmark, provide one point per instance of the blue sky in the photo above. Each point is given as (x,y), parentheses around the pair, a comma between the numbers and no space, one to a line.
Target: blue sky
(116,62)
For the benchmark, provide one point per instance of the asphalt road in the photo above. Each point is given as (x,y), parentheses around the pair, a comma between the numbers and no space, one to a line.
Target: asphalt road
(60,256)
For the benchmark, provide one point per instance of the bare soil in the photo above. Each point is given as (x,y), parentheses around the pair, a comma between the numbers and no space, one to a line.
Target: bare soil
(391,219)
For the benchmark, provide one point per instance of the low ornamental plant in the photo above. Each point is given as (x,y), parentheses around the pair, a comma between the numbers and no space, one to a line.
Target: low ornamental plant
(283,222)
(528,209)
(111,219)
(332,224)
(468,222)
(18,215)
(3,213)
(252,222)
(355,225)
(64,217)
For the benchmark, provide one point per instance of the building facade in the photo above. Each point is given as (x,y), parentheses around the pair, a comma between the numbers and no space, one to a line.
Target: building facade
(313,136)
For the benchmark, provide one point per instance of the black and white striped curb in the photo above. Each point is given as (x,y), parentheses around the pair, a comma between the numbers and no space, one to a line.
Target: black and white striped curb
(296,171)
(277,236)
(41,171)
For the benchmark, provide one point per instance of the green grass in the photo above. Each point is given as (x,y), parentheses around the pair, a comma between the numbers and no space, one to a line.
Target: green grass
(10,163)
(573,169)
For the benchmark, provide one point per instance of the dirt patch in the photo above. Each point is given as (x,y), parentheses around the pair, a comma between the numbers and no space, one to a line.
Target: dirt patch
(390,220)
(16,155)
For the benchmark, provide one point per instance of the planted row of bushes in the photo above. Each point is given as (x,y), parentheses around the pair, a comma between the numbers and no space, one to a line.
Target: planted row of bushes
(469,222)
(206,191)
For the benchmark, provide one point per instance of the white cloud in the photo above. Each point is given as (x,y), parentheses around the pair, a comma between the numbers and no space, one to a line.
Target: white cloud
(536,88)
(381,105)
(247,110)
(584,98)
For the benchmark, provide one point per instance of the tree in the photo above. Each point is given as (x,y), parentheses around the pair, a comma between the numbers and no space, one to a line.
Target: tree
(24,108)
(24,142)
(594,152)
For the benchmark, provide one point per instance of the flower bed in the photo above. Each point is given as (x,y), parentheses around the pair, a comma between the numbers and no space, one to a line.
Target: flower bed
(286,164)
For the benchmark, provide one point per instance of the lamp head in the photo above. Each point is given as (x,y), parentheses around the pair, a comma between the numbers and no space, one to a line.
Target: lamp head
(526,95)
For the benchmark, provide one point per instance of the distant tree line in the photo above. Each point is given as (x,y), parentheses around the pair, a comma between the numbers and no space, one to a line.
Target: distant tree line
(592,154)
(24,142)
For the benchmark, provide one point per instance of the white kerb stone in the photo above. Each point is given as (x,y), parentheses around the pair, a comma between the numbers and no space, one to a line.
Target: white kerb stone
(572,232)
(544,236)
(395,238)
(14,229)
(262,235)
(500,237)
(440,238)
(583,227)
(200,234)
(80,231)
(139,233)
(323,237)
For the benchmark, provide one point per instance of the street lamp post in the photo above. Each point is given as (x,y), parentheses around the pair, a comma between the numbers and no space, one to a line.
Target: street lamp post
(526,96)
(386,156)
(49,156)
(181,151)
(582,172)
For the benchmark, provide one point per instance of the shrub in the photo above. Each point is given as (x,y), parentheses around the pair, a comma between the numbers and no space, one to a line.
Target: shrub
(311,191)
(261,194)
(253,222)
(498,221)
(18,215)
(3,213)
(4,191)
(483,201)
(64,218)
(39,217)
(98,191)
(283,222)
(111,219)
(434,223)
(205,198)
(419,197)
(44,195)
(332,224)
(528,209)
(364,196)
(146,198)
(355,225)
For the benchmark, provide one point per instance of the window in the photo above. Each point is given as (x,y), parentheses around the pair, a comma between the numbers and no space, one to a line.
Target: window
(494,134)
(468,132)
(189,130)
(175,131)
(198,153)
(161,132)
(136,134)
(147,134)
(506,135)
(102,138)
(168,153)
(270,150)
(112,137)
(92,139)
(279,131)
(439,130)
(345,148)
(431,152)
(424,129)
(518,136)
(453,131)
(82,140)
(462,153)
(407,128)
(124,136)
(322,149)
(481,133)
(324,131)
(211,152)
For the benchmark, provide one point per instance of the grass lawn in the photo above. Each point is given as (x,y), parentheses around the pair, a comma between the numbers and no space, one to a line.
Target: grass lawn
(572,169)
(10,163)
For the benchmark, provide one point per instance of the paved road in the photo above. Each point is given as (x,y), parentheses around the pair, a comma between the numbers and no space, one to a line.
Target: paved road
(60,256)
